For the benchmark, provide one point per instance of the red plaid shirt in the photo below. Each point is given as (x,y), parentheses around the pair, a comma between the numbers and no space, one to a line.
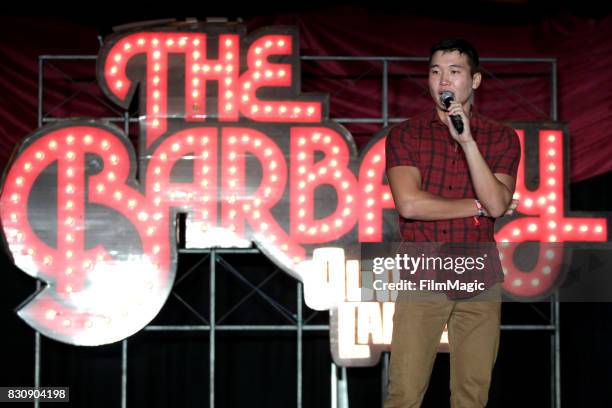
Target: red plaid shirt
(425,143)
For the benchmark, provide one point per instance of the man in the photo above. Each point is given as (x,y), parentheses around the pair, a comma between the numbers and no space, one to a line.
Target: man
(449,186)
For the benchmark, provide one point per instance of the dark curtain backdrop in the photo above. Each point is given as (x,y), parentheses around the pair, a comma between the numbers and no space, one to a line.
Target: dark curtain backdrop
(581,45)
(170,370)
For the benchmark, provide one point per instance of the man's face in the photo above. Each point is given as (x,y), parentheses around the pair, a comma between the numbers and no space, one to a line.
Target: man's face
(450,71)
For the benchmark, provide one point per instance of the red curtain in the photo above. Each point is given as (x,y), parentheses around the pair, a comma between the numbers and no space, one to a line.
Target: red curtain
(510,91)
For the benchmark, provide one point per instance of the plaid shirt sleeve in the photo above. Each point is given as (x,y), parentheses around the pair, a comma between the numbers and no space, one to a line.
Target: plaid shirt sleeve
(507,153)
(401,147)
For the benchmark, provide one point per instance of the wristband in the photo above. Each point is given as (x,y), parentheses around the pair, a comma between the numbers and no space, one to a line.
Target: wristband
(481,213)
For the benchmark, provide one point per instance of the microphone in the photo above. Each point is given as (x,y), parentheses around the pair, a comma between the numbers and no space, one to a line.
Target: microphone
(446,98)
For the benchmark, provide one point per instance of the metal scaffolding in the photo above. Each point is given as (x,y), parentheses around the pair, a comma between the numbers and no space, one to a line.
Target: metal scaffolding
(215,257)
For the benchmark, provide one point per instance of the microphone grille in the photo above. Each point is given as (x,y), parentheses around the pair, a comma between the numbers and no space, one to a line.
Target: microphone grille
(446,98)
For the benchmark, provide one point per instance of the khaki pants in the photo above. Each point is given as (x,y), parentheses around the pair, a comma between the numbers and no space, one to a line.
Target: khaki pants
(473,336)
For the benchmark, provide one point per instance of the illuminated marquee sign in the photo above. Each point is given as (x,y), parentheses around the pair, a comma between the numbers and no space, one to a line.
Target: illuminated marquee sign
(228,138)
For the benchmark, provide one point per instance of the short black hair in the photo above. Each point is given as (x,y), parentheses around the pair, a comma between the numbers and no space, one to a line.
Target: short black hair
(461,45)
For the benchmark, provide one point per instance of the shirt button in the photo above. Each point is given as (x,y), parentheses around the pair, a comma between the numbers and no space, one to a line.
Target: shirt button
(450,187)
(444,231)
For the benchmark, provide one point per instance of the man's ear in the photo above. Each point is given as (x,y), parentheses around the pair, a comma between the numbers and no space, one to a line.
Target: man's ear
(476,79)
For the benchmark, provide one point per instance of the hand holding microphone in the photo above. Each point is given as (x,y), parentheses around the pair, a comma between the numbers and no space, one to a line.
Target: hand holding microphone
(446,98)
